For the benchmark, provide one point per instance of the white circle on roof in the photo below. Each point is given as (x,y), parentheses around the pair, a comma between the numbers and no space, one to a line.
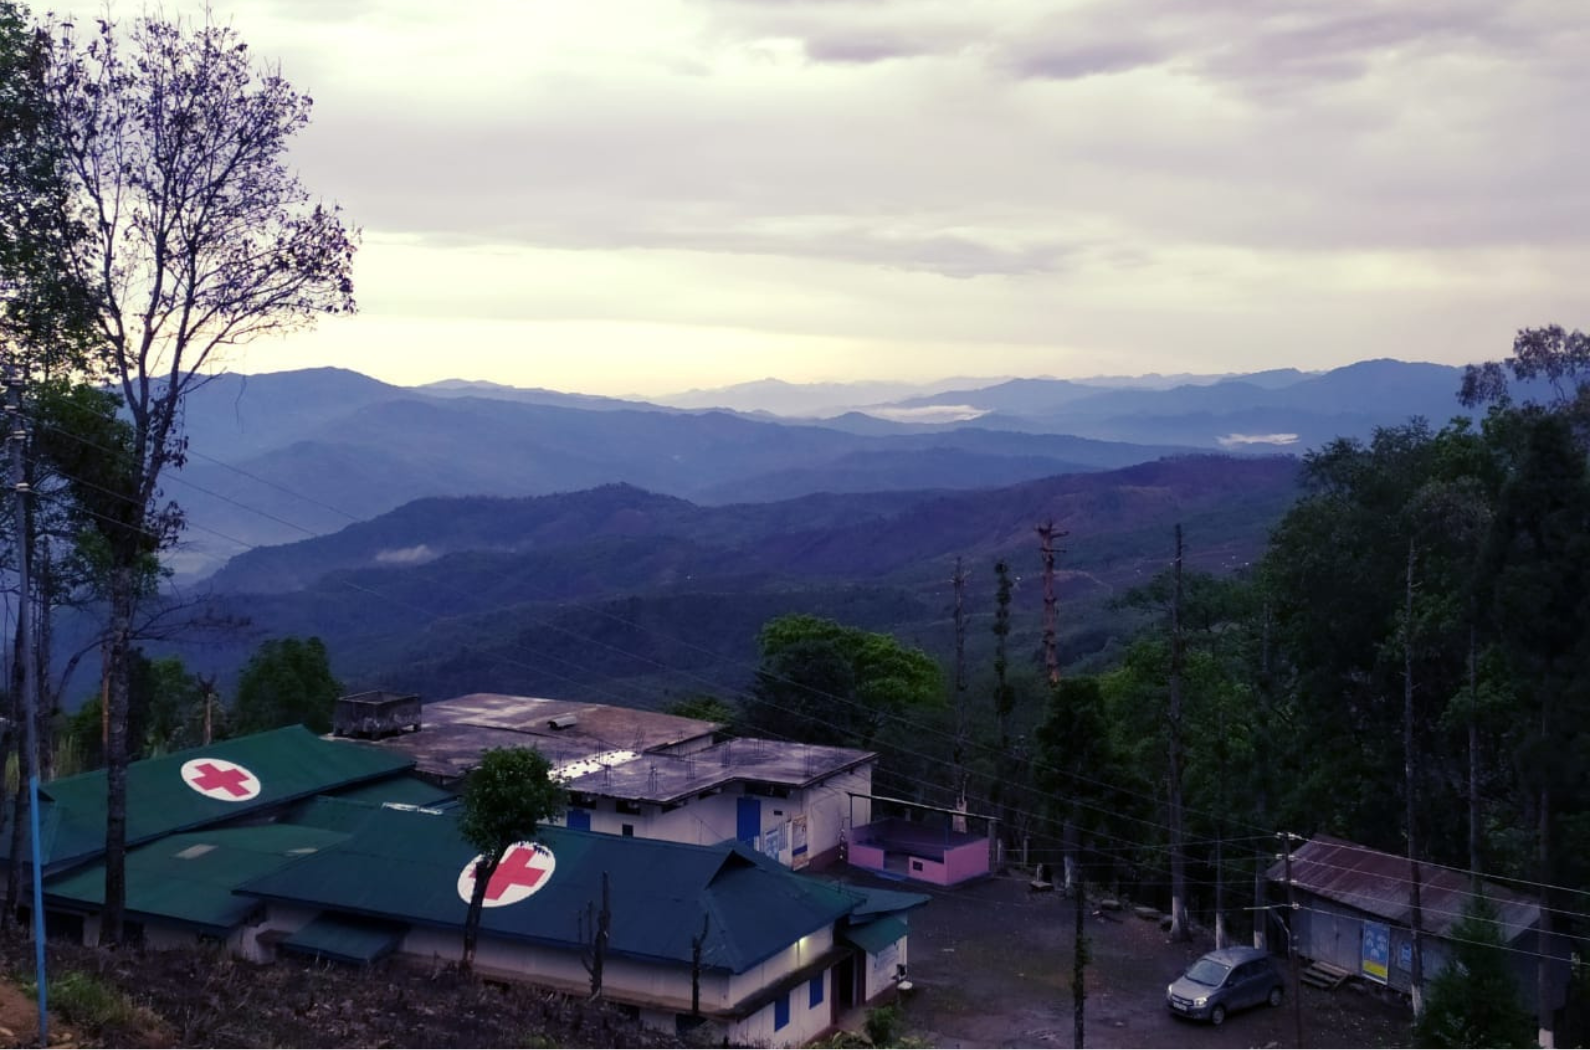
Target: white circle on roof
(525,868)
(219,779)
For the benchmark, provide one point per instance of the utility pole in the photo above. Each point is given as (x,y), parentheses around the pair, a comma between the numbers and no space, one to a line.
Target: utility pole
(961,714)
(29,765)
(1079,955)
(1291,937)
(1179,930)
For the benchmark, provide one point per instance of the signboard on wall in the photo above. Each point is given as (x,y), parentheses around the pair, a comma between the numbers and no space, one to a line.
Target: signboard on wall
(1375,959)
(797,842)
(773,841)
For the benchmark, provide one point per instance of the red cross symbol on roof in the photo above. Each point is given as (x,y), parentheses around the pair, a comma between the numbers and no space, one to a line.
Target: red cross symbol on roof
(212,777)
(525,868)
(221,780)
(517,868)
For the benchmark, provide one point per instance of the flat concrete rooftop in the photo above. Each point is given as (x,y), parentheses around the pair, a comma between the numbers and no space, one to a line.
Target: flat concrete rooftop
(454,733)
(665,778)
(614,752)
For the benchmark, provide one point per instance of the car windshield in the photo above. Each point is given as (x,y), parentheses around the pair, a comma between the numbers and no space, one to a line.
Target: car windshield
(1207,971)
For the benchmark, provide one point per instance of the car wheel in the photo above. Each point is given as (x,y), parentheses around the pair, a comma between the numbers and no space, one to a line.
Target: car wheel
(1276,995)
(1217,1016)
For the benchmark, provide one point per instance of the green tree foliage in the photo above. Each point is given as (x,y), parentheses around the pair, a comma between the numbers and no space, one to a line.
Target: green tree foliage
(43,311)
(824,683)
(506,799)
(1474,1001)
(288,681)
(1077,767)
(166,714)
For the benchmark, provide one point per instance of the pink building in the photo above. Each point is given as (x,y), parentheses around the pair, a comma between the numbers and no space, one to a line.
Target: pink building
(925,851)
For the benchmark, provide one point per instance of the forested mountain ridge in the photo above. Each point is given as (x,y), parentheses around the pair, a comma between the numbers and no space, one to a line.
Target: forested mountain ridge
(445,583)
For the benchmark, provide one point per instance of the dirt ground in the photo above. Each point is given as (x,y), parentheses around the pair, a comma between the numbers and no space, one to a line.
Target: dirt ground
(202,998)
(991,965)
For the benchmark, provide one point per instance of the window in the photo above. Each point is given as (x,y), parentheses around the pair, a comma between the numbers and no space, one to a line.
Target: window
(781,1011)
(629,831)
(816,993)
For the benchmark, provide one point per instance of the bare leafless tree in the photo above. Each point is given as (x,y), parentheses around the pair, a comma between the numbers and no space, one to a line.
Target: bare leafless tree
(200,238)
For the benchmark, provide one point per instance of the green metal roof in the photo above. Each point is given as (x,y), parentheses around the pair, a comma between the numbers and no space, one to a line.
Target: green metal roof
(289,763)
(404,866)
(333,814)
(346,940)
(876,935)
(189,879)
(401,791)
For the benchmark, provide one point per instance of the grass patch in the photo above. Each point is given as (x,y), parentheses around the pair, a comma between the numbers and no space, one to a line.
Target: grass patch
(84,999)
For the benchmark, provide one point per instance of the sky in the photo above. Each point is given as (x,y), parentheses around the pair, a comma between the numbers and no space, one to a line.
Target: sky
(646,196)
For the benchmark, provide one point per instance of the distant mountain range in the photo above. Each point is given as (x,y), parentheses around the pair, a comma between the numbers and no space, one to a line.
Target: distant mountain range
(283,456)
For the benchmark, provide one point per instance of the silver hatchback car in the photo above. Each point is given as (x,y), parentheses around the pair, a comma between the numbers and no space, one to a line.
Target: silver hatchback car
(1224,980)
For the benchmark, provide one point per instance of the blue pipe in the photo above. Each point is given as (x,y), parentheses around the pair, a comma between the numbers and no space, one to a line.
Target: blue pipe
(38,914)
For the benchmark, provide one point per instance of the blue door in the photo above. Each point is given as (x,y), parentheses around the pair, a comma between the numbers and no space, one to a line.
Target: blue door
(748,822)
(580,819)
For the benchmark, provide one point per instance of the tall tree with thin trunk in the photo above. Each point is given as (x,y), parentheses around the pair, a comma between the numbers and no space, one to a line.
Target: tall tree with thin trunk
(1411,781)
(1179,929)
(201,238)
(506,800)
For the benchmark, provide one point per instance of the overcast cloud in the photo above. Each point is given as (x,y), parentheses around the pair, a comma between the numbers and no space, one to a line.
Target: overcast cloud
(647,195)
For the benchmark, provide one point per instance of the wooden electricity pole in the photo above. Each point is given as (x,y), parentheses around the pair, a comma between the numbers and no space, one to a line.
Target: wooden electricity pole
(962,716)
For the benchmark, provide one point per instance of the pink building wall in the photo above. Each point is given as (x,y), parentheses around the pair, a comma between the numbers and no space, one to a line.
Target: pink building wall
(866,856)
(925,859)
(966,861)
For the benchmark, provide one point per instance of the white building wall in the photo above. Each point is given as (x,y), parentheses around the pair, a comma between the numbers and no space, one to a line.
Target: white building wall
(703,821)
(828,809)
(881,969)
(805,1022)
(622,979)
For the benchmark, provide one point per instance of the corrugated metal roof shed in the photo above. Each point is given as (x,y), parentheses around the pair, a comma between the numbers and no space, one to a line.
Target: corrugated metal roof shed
(1377,884)
(289,763)
(188,879)
(404,866)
